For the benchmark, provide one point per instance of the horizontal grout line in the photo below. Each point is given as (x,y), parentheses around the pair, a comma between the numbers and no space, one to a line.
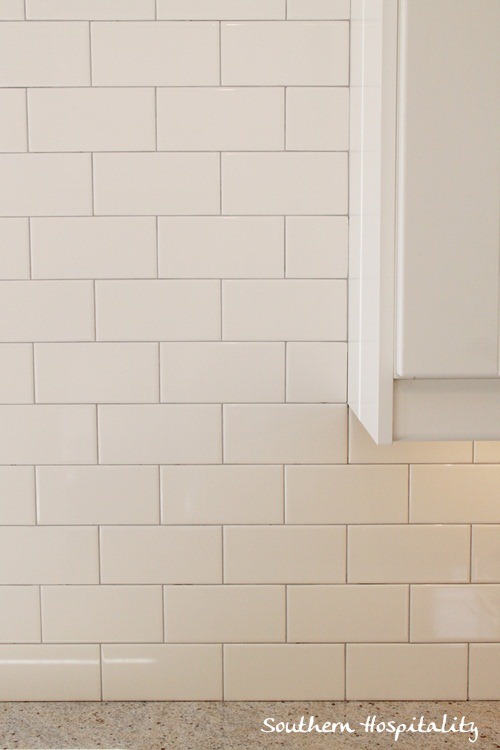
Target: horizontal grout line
(263,525)
(171,216)
(223,152)
(204,21)
(182,86)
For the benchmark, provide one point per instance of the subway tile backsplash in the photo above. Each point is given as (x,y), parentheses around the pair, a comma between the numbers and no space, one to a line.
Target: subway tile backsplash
(184,500)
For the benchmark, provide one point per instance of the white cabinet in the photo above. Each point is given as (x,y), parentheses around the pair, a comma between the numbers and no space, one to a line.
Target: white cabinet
(424,313)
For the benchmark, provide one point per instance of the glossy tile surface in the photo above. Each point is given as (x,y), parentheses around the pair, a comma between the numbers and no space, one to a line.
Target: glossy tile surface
(485,554)
(20,621)
(455,613)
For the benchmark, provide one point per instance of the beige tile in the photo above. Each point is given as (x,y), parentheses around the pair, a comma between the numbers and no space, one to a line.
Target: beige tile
(180,554)
(97,495)
(408,554)
(322,9)
(406,672)
(13,123)
(155,434)
(487,451)
(455,613)
(114,614)
(222,494)
(155,183)
(20,621)
(48,434)
(285,54)
(455,494)
(312,672)
(24,60)
(162,673)
(155,54)
(224,614)
(316,247)
(284,310)
(317,119)
(96,373)
(347,613)
(284,433)
(346,494)
(362,449)
(16,373)
(98,10)
(94,247)
(91,119)
(222,372)
(11,10)
(17,495)
(484,672)
(220,9)
(316,372)
(485,554)
(49,673)
(284,554)
(14,249)
(221,246)
(220,119)
(45,184)
(158,310)
(284,183)
(57,555)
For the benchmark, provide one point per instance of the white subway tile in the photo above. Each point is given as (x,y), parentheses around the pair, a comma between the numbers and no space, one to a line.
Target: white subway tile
(487,452)
(298,673)
(322,9)
(408,554)
(284,183)
(97,495)
(346,494)
(45,184)
(162,673)
(96,373)
(49,673)
(25,58)
(316,373)
(284,554)
(114,614)
(20,620)
(155,54)
(404,671)
(455,494)
(347,613)
(316,247)
(484,672)
(16,374)
(221,9)
(155,183)
(48,434)
(57,555)
(222,372)
(14,249)
(221,247)
(486,554)
(179,554)
(284,310)
(220,119)
(17,495)
(222,494)
(317,119)
(91,119)
(98,10)
(285,433)
(11,10)
(155,434)
(285,54)
(158,310)
(362,449)
(96,247)
(455,613)
(13,123)
(46,311)
(224,614)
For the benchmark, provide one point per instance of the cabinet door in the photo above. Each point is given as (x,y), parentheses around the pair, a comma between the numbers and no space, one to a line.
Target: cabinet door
(447,301)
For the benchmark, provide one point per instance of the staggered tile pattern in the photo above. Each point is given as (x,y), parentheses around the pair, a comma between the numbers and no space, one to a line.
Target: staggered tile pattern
(185,511)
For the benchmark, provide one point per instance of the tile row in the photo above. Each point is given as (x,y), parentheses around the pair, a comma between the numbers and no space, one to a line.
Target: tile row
(140,53)
(241,672)
(308,554)
(174,119)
